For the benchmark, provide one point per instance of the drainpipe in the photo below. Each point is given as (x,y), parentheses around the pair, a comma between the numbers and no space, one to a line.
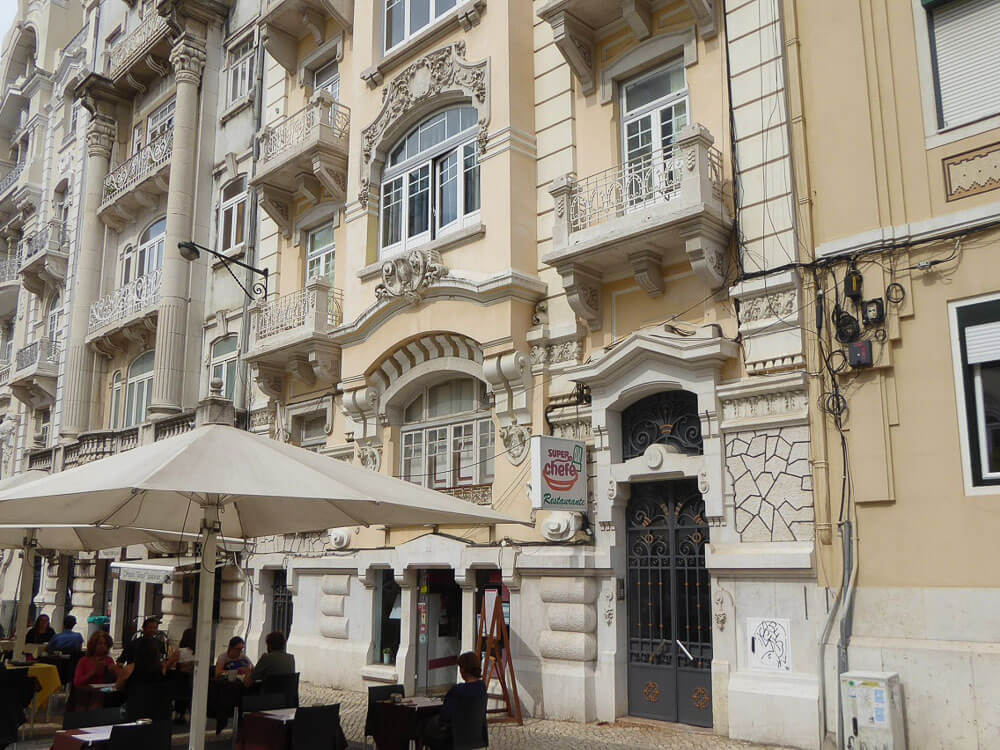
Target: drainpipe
(847,620)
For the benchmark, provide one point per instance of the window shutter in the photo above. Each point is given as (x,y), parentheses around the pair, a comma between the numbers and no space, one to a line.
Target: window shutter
(982,343)
(966,40)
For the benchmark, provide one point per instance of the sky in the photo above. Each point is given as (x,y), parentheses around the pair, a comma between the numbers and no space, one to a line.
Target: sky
(8,9)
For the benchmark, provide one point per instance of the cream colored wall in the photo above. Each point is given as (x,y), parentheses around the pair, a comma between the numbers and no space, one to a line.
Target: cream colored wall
(869,167)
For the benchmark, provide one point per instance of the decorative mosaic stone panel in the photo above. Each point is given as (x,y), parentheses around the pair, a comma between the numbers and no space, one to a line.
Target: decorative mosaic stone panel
(772,481)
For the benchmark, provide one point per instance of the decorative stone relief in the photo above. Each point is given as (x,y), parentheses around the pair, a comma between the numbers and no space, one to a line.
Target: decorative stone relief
(509,375)
(561,526)
(340,538)
(777,305)
(409,276)
(101,135)
(370,456)
(772,482)
(972,172)
(444,71)
(765,405)
(571,616)
(575,41)
(583,292)
(555,354)
(609,609)
(187,57)
(541,316)
(719,611)
(515,439)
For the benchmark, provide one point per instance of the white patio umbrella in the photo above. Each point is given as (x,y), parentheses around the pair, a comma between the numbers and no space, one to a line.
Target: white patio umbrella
(218,479)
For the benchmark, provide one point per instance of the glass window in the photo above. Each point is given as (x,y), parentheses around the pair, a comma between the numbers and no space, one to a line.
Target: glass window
(224,361)
(327,78)
(435,167)
(160,121)
(449,439)
(979,348)
(404,18)
(320,254)
(139,390)
(311,430)
(241,61)
(116,400)
(233,214)
(388,614)
(148,256)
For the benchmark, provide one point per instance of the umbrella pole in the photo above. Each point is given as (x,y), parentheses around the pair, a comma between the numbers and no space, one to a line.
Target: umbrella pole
(203,634)
(24,593)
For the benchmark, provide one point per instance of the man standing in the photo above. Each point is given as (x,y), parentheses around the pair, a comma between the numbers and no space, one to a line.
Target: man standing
(151,630)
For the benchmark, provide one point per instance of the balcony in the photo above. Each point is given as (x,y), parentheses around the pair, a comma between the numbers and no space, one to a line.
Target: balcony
(301,155)
(10,283)
(129,312)
(477,494)
(43,259)
(9,180)
(285,23)
(136,183)
(141,56)
(36,367)
(665,209)
(290,336)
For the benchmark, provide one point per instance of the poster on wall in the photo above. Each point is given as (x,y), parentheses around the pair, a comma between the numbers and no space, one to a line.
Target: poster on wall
(558,474)
(769,644)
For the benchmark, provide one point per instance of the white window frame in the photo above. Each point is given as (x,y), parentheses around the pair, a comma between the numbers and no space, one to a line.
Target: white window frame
(313,443)
(240,59)
(140,385)
(160,120)
(418,437)
(327,78)
(434,12)
(224,365)
(934,136)
(422,173)
(962,400)
(322,257)
(117,392)
(145,257)
(237,228)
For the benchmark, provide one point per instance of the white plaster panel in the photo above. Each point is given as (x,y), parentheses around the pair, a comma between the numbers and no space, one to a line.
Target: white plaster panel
(986,692)
(578,590)
(779,709)
(581,618)
(336,584)
(567,646)
(332,605)
(334,627)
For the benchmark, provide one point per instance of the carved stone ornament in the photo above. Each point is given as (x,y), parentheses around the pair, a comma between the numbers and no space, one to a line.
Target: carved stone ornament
(408,276)
(776,305)
(101,135)
(370,457)
(515,438)
(765,405)
(444,71)
(188,59)
(340,538)
(719,611)
(561,526)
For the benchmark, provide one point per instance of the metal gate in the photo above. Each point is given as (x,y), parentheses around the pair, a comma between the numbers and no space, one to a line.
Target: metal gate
(669,604)
(281,603)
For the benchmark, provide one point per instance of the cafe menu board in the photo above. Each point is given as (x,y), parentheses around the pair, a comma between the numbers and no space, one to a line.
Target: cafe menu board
(558,474)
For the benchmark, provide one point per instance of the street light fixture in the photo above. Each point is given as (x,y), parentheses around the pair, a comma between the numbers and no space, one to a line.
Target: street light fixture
(191,252)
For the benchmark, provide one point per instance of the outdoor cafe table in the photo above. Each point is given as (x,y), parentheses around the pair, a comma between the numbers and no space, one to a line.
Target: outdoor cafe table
(267,730)
(96,697)
(47,676)
(395,724)
(73,739)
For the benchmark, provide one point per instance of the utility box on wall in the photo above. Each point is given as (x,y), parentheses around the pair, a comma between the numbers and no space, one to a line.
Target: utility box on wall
(873,711)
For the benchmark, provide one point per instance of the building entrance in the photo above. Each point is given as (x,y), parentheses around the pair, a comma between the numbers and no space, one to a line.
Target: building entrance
(669,604)
(438,630)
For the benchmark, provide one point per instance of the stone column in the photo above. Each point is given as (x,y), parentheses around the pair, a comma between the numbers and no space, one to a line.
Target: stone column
(87,277)
(188,60)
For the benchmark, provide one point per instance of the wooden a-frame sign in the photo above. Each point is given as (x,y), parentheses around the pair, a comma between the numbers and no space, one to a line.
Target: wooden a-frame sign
(497,661)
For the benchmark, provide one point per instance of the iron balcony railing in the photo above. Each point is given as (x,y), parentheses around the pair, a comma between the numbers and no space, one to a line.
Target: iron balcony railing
(11,177)
(42,351)
(9,268)
(5,369)
(133,298)
(653,178)
(289,132)
(293,310)
(135,45)
(130,173)
(477,494)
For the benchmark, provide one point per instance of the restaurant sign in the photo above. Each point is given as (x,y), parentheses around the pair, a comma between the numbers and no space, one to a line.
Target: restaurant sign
(558,474)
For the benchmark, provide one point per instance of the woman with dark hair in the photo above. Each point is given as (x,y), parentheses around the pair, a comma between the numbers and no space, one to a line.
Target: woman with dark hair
(185,651)
(40,632)
(233,661)
(467,696)
(96,667)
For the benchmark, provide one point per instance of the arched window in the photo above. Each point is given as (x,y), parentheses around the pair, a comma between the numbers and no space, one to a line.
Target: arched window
(431,181)
(232,214)
(447,436)
(116,400)
(139,390)
(224,359)
(148,256)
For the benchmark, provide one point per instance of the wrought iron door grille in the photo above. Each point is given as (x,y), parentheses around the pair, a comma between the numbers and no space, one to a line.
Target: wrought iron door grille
(670,418)
(281,603)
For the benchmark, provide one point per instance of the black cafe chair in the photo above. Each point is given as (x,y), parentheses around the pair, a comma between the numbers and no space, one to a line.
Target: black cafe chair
(317,728)
(285,684)
(263,702)
(468,724)
(154,736)
(377,694)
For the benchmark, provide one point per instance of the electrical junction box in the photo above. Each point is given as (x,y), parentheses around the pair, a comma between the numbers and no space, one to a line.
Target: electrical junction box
(859,354)
(873,711)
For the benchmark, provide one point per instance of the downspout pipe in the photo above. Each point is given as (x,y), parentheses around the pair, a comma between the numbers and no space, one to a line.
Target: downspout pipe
(847,619)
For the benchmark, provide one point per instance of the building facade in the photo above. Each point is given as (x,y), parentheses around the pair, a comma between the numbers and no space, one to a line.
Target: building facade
(619,223)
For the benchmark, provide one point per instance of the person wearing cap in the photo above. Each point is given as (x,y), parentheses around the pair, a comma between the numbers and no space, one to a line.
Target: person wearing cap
(150,630)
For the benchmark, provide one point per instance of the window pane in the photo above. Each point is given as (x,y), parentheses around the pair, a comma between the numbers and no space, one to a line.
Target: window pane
(447,178)
(321,239)
(439,400)
(227,228)
(415,411)
(437,457)
(392,212)
(130,405)
(486,451)
(224,346)
(419,201)
(420,14)
(444,6)
(463,454)
(413,457)
(672,120)
(989,417)
(229,379)
(471,168)
(433,131)
(238,235)
(656,86)
(395,21)
(234,189)
(638,138)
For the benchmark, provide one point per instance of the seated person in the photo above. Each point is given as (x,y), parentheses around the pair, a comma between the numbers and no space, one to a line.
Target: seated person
(233,661)
(40,632)
(185,651)
(96,667)
(276,661)
(68,641)
(466,694)
(150,630)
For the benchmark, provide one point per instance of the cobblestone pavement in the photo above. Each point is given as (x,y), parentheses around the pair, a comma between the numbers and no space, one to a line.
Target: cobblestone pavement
(536,734)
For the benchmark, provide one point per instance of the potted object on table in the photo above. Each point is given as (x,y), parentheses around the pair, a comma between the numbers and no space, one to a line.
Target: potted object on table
(387,656)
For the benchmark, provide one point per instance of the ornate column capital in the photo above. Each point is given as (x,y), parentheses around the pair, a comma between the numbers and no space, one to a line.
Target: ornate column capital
(187,57)
(100,135)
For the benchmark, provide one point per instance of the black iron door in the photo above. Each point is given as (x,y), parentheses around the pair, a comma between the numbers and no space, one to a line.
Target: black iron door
(669,604)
